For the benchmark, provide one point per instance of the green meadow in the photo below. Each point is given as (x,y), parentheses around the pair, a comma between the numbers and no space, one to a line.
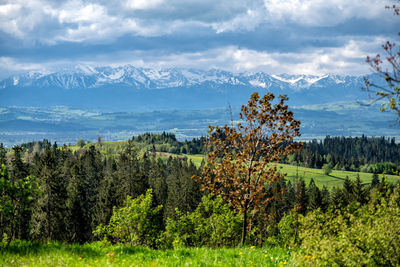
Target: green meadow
(334,179)
(24,253)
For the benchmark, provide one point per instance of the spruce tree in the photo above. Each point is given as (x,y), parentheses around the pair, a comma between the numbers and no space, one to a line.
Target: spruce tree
(49,212)
(301,203)
(359,191)
(314,196)
(325,198)
(83,188)
(375,180)
(21,197)
(348,190)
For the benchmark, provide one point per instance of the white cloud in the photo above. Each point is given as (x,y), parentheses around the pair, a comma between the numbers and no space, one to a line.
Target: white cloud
(9,66)
(102,20)
(322,12)
(77,12)
(143,4)
(21,17)
(247,21)
(347,59)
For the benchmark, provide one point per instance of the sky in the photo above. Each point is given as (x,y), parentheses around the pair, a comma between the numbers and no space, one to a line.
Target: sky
(274,36)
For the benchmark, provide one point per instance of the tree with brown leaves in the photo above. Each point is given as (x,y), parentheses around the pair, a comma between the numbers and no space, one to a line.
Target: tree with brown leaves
(240,163)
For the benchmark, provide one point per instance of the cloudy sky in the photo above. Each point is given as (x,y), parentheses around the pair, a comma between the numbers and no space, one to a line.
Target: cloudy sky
(274,36)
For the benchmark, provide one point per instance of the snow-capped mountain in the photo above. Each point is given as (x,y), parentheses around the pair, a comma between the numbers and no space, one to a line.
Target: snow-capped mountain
(128,75)
(129,87)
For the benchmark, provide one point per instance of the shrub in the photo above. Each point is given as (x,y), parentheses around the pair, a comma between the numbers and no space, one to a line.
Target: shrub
(136,223)
(367,235)
(288,227)
(212,224)
(327,168)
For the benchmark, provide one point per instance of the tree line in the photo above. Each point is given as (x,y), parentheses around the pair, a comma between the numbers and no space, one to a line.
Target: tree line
(365,154)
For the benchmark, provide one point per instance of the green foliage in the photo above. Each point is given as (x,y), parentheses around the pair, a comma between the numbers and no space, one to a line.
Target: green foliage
(366,154)
(16,197)
(356,236)
(287,232)
(6,206)
(80,143)
(212,224)
(335,179)
(49,212)
(327,168)
(136,223)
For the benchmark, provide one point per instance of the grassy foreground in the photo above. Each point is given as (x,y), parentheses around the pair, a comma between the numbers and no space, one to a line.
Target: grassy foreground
(96,254)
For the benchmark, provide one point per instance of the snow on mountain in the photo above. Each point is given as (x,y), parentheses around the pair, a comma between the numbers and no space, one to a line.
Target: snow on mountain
(83,77)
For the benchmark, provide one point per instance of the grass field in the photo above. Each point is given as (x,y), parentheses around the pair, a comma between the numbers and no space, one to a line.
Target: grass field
(335,178)
(96,254)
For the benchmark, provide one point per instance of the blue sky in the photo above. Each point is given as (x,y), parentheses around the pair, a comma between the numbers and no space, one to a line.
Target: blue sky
(274,36)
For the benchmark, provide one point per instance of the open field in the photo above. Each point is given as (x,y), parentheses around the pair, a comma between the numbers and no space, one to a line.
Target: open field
(24,253)
(335,178)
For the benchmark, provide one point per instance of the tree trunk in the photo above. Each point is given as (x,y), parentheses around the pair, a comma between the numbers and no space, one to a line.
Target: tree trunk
(244,230)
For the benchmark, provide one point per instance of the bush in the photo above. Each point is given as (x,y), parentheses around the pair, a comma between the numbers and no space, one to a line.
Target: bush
(358,236)
(80,143)
(327,168)
(212,224)
(288,227)
(136,223)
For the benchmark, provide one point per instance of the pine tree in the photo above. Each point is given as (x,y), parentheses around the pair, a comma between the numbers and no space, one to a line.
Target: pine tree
(301,203)
(325,198)
(348,190)
(49,212)
(3,153)
(21,197)
(7,192)
(314,196)
(83,188)
(338,199)
(107,193)
(359,191)
(375,180)
(158,184)
(183,192)
(131,176)
(289,196)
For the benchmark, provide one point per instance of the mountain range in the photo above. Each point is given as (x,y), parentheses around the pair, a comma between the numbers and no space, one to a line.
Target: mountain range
(130,88)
